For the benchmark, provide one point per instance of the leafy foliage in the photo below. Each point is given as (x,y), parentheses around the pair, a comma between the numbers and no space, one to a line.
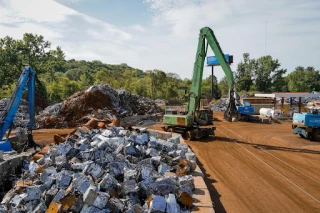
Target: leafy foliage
(58,78)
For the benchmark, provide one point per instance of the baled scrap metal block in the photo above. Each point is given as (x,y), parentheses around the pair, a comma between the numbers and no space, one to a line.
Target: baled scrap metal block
(144,187)
(156,160)
(31,205)
(54,151)
(50,194)
(131,200)
(187,180)
(84,147)
(101,200)
(17,199)
(185,188)
(108,133)
(163,187)
(157,204)
(141,139)
(40,208)
(173,154)
(90,195)
(151,152)
(183,147)
(137,208)
(130,174)
(181,153)
(64,148)
(130,149)
(123,133)
(64,180)
(130,187)
(172,205)
(49,181)
(33,167)
(96,171)
(163,168)
(89,209)
(152,144)
(152,133)
(61,193)
(115,205)
(176,160)
(60,160)
(108,183)
(175,139)
(33,193)
(191,156)
(146,172)
(116,168)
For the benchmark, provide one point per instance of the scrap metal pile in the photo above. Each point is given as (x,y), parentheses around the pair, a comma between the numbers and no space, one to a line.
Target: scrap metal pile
(107,170)
(95,101)
(221,105)
(22,116)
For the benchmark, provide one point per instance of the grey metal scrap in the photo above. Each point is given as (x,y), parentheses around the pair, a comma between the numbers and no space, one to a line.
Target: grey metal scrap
(33,193)
(115,205)
(90,195)
(172,205)
(130,187)
(158,204)
(175,139)
(130,174)
(101,200)
(163,168)
(61,193)
(109,163)
(191,156)
(151,152)
(188,180)
(183,147)
(108,183)
(163,187)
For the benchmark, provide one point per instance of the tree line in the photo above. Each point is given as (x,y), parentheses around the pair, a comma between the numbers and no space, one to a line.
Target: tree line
(58,78)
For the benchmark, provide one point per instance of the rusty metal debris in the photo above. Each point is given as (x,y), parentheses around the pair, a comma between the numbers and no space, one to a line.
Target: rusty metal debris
(106,170)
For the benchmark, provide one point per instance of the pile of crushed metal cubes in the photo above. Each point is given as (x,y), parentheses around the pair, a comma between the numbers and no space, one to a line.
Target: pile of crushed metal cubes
(107,170)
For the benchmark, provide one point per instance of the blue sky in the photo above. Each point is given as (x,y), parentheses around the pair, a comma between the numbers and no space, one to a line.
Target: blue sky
(163,34)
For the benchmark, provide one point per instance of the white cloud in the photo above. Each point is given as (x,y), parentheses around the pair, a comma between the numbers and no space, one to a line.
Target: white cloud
(240,26)
(170,43)
(137,28)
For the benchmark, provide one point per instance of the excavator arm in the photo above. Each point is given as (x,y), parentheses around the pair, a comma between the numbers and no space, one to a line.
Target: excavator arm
(26,81)
(206,34)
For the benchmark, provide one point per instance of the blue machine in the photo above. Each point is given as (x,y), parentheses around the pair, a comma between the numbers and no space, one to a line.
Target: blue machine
(307,125)
(26,81)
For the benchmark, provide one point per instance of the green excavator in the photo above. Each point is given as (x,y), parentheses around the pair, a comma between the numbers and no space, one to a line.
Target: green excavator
(188,122)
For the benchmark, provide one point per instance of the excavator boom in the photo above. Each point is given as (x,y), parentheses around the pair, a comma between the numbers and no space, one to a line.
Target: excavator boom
(206,34)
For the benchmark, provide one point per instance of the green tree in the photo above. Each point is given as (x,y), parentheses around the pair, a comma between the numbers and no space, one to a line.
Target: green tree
(304,79)
(223,87)
(265,68)
(244,73)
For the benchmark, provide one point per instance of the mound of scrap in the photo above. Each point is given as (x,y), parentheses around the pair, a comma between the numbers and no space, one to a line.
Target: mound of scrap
(101,102)
(106,170)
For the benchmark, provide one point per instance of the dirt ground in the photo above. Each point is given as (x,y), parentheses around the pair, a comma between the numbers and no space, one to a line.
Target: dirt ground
(253,167)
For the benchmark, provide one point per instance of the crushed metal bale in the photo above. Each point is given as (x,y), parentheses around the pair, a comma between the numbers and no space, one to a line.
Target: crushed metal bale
(107,170)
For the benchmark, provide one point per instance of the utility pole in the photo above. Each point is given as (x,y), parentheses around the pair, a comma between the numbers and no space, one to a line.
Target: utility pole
(212,82)
(265,45)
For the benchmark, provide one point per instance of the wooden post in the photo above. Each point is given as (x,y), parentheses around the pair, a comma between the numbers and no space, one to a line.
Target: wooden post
(274,102)
(212,83)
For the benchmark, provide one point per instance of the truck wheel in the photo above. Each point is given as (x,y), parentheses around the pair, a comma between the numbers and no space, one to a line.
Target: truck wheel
(190,135)
(316,134)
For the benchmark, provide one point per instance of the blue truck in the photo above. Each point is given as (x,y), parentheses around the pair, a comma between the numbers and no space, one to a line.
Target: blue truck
(307,124)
